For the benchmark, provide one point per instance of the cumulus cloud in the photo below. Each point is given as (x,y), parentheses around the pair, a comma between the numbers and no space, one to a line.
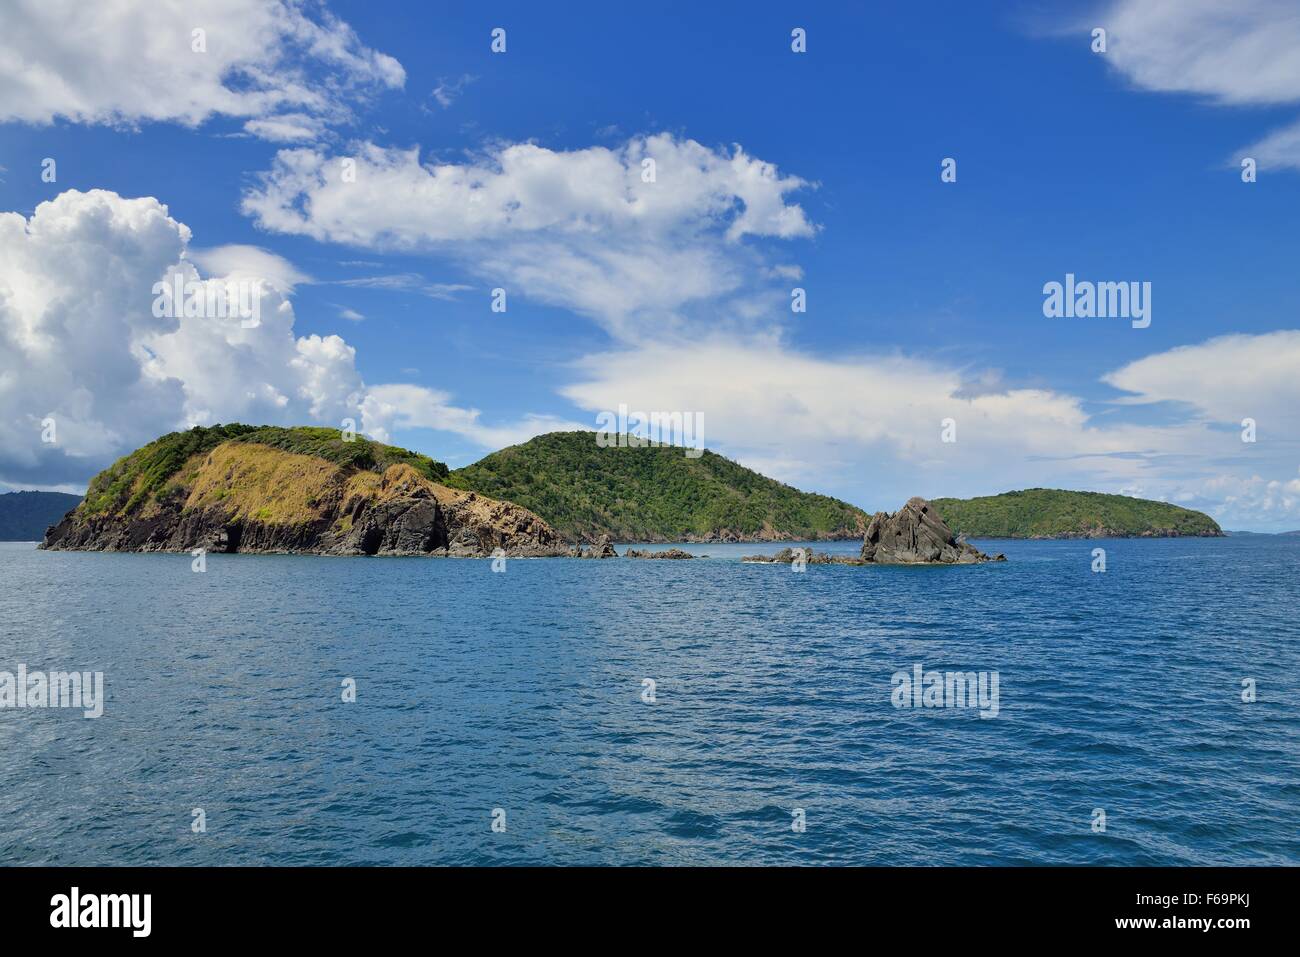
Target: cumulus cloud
(285,72)
(874,423)
(1245,53)
(681,271)
(626,236)
(81,343)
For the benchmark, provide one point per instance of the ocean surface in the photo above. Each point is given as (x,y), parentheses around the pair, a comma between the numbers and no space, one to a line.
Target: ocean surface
(518,697)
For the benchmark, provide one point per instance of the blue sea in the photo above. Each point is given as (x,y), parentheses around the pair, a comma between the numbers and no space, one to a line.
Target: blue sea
(519,697)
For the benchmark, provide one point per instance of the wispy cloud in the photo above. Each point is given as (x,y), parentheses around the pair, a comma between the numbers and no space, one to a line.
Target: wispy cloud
(1240,54)
(404,282)
(449,90)
(286,69)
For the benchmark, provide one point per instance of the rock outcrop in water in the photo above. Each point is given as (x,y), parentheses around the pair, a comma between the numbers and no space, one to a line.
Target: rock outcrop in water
(245,496)
(914,535)
(602,549)
(788,556)
(668,553)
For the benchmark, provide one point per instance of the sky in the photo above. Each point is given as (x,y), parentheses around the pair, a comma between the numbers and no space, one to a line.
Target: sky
(377,170)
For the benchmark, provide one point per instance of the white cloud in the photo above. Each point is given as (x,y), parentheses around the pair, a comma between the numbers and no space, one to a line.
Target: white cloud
(79,343)
(249,262)
(289,128)
(416,407)
(1252,500)
(404,282)
(1225,379)
(581,229)
(448,90)
(124,62)
(696,314)
(1278,149)
(1244,53)
(869,427)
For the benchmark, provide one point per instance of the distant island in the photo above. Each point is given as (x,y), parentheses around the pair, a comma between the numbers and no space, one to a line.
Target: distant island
(1052,513)
(653,494)
(24,516)
(315,490)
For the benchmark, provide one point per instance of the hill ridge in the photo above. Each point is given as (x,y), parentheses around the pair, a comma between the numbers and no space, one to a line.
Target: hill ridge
(653,493)
(1062,513)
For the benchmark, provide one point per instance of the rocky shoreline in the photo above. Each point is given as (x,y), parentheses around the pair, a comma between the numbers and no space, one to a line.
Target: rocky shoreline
(401,513)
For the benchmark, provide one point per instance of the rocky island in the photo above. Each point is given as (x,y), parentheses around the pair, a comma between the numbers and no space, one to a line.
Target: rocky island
(914,535)
(240,488)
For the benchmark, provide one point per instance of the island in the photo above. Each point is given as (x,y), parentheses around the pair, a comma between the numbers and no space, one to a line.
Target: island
(246,488)
(1054,513)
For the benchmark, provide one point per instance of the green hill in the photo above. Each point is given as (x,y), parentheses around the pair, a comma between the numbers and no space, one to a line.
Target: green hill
(654,493)
(1052,513)
(144,475)
(24,516)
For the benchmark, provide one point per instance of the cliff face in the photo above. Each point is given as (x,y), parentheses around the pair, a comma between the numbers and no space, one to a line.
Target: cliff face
(246,497)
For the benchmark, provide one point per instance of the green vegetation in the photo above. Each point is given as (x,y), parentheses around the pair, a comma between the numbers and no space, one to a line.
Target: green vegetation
(1051,513)
(653,493)
(24,516)
(145,474)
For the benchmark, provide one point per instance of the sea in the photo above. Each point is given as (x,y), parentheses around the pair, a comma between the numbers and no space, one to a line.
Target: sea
(292,710)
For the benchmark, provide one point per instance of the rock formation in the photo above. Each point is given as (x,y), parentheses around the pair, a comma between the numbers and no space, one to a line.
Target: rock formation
(602,549)
(671,553)
(916,535)
(788,556)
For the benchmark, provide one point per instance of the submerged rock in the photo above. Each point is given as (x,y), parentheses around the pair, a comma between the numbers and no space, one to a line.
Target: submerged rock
(602,549)
(916,535)
(672,553)
(788,556)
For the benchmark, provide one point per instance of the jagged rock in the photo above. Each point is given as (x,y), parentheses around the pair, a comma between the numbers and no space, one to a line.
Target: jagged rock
(670,553)
(916,535)
(602,549)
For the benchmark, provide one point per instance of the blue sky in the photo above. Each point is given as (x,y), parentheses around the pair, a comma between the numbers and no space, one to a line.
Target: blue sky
(924,297)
